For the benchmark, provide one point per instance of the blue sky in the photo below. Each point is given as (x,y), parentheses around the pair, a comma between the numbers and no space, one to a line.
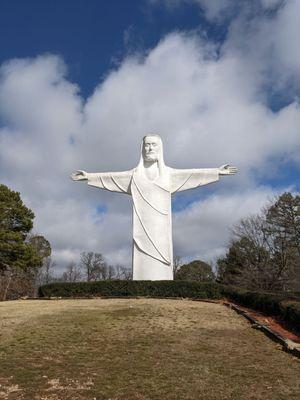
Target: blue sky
(81,82)
(92,36)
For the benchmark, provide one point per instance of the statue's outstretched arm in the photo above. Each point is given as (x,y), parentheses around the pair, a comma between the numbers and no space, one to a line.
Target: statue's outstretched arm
(184,179)
(113,181)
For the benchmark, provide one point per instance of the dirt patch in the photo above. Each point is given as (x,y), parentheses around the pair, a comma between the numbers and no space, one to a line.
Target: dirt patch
(7,389)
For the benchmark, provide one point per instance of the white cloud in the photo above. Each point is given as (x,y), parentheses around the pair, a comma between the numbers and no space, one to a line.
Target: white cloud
(203,229)
(209,109)
(267,46)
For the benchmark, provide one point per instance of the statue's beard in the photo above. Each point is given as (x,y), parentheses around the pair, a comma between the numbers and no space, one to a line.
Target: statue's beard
(151,157)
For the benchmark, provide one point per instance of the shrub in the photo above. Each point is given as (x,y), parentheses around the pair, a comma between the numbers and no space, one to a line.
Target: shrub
(186,289)
(290,311)
(284,305)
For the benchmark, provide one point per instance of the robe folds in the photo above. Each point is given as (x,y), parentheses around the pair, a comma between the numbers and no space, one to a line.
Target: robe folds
(152,257)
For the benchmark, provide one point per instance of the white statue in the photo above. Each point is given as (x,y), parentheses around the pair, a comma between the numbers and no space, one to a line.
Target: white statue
(151,185)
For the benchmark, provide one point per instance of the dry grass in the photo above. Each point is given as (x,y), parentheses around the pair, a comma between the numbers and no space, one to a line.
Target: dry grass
(138,350)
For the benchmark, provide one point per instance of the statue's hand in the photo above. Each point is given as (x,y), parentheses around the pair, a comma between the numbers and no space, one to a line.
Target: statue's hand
(79,175)
(227,170)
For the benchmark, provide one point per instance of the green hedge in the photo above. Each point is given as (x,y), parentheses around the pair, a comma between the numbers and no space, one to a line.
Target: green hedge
(284,305)
(186,289)
(268,303)
(290,310)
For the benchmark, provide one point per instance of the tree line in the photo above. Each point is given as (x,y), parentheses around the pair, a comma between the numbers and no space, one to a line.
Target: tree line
(91,267)
(264,250)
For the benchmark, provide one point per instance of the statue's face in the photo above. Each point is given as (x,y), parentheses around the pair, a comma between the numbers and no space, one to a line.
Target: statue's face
(151,148)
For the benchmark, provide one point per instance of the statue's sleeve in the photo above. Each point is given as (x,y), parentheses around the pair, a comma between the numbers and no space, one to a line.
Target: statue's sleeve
(183,179)
(112,181)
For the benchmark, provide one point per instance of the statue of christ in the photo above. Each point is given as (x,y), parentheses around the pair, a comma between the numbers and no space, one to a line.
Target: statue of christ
(151,185)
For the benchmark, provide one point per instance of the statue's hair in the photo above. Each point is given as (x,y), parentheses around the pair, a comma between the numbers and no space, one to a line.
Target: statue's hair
(151,134)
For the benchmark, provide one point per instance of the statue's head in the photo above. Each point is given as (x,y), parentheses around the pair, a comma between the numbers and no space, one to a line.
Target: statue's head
(152,147)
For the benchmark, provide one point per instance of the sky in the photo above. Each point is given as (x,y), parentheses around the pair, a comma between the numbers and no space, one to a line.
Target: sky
(81,82)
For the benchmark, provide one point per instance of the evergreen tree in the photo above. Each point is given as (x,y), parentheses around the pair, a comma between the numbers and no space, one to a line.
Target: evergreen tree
(16,221)
(196,270)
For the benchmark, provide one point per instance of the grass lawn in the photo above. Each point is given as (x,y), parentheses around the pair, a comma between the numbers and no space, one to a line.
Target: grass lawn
(138,350)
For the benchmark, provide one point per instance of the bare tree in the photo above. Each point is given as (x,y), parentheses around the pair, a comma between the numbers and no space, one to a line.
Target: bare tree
(108,272)
(46,273)
(283,229)
(73,273)
(15,283)
(6,277)
(264,250)
(122,273)
(94,266)
(177,263)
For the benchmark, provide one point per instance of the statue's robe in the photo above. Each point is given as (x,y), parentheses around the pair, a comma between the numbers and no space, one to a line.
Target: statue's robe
(152,257)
